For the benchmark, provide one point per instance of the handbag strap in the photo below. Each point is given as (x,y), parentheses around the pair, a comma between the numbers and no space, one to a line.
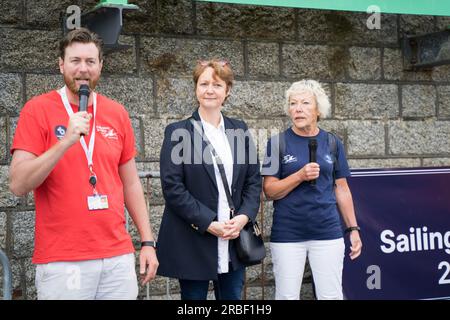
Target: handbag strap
(219,166)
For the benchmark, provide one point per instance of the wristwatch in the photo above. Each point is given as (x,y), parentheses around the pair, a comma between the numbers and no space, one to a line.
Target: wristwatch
(148,244)
(350,229)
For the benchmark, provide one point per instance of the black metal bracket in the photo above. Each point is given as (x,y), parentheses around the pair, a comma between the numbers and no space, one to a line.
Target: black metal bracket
(426,51)
(105,20)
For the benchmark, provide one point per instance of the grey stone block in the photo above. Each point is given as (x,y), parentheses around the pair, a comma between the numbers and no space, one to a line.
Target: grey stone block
(442,23)
(23,231)
(7,198)
(416,24)
(256,293)
(153,136)
(46,13)
(366,138)
(136,94)
(123,61)
(30,273)
(365,63)
(161,288)
(143,20)
(2,232)
(366,101)
(256,99)
(175,17)
(344,27)
(24,50)
(444,101)
(156,195)
(227,20)
(261,273)
(419,137)
(4,152)
(37,84)
(148,166)
(176,97)
(11,12)
(337,127)
(441,73)
(10,93)
(384,163)
(314,61)
(265,219)
(261,130)
(263,59)
(436,162)
(393,67)
(139,139)
(179,56)
(155,214)
(168,17)
(17,270)
(418,101)
(12,129)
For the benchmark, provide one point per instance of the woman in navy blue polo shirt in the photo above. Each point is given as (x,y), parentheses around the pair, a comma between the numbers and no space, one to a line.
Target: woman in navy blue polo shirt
(308,198)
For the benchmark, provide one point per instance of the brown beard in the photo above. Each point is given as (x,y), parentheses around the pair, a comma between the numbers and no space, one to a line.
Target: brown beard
(70,83)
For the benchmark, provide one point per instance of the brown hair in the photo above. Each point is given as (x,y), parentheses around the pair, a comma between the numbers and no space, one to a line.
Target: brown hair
(82,35)
(222,69)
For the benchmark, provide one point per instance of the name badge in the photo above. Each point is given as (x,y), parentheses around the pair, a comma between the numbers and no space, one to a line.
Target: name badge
(98,202)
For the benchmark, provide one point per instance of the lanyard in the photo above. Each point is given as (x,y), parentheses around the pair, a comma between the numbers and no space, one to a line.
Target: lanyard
(89,152)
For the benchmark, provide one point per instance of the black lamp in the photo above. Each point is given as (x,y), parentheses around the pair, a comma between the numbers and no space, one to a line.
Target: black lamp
(105,19)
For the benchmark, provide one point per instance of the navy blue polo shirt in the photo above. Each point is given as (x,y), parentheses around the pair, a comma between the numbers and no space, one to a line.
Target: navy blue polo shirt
(308,212)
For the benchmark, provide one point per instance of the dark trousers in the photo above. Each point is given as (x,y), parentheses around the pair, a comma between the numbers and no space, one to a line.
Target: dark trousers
(227,287)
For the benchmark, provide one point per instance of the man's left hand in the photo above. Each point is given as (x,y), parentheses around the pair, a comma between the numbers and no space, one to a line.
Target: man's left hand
(148,263)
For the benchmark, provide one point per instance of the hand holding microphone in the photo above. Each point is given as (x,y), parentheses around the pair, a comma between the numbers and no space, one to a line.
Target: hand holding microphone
(83,94)
(79,122)
(312,169)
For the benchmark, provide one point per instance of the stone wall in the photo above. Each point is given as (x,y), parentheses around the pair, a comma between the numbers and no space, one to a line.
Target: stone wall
(387,117)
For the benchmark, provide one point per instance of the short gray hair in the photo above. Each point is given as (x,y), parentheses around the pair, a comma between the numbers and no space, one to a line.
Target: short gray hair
(314,87)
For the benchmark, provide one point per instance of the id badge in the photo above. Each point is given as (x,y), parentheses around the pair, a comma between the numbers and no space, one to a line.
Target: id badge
(98,202)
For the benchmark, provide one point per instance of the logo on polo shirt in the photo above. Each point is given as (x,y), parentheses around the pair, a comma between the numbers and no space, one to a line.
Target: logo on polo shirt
(328,159)
(289,158)
(107,132)
(60,131)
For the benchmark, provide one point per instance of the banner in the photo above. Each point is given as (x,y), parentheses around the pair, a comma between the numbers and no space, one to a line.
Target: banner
(404,216)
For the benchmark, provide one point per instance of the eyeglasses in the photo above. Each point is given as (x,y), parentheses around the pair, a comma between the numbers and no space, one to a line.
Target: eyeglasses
(205,63)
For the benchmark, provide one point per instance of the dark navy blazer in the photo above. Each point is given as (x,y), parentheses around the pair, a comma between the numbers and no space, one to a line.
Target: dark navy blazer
(185,249)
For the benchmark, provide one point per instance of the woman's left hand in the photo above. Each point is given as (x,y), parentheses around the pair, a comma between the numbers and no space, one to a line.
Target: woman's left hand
(234,226)
(356,246)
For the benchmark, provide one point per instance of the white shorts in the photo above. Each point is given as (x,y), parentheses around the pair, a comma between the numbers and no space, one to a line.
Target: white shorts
(326,258)
(102,279)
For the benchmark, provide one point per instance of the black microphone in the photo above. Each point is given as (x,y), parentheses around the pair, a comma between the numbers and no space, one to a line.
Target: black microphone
(312,145)
(83,94)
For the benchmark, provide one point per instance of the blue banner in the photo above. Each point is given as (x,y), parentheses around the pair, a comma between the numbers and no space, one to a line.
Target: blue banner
(404,215)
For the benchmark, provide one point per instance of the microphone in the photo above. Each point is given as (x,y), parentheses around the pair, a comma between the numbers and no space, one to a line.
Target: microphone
(83,94)
(312,145)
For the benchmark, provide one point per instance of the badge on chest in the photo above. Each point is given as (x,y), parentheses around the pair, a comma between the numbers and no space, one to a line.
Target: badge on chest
(98,202)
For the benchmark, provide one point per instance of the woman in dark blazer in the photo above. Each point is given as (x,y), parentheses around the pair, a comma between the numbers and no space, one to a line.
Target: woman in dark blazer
(195,239)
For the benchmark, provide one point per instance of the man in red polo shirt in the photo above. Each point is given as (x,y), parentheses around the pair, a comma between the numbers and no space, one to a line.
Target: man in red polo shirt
(82,170)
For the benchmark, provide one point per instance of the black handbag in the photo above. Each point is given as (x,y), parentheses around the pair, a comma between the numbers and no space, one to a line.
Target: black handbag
(249,245)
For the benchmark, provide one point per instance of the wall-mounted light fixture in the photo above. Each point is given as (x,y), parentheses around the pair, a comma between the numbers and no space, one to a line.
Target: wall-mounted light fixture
(105,19)
(426,51)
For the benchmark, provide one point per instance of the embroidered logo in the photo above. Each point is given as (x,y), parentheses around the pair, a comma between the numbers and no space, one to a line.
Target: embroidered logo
(107,132)
(60,131)
(328,159)
(289,158)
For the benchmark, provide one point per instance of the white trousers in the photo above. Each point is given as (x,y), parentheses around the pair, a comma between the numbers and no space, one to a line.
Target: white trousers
(326,258)
(102,279)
